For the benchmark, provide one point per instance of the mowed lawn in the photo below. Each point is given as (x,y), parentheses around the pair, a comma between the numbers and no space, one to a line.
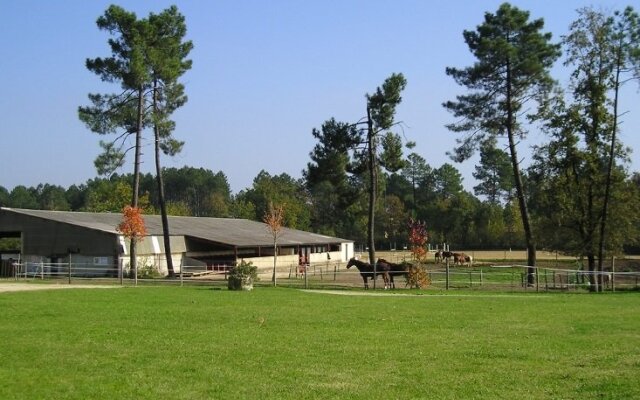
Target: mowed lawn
(279,343)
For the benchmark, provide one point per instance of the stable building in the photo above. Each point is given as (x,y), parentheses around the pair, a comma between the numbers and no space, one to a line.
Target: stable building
(92,241)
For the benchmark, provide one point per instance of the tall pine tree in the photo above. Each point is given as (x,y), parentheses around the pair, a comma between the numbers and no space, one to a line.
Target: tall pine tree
(513,59)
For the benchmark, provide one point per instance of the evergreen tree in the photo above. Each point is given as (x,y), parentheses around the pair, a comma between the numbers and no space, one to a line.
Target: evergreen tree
(581,169)
(148,57)
(417,172)
(513,58)
(166,52)
(493,172)
(327,180)
(381,109)
(121,113)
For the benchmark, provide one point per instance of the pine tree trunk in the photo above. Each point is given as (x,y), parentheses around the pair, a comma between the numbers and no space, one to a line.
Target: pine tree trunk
(136,180)
(612,149)
(522,201)
(160,183)
(373,180)
(275,259)
(593,273)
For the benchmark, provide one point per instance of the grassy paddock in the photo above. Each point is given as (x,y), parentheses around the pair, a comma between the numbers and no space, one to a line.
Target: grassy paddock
(196,342)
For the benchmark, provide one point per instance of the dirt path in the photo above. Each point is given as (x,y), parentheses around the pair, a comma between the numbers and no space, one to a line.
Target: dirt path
(19,286)
(429,295)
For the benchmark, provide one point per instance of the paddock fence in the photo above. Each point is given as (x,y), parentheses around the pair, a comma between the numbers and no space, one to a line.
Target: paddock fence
(335,275)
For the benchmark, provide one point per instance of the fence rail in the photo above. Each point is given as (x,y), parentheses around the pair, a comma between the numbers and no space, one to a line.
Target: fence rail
(327,274)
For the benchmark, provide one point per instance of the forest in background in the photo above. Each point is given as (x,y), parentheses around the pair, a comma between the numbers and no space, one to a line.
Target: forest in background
(577,195)
(433,195)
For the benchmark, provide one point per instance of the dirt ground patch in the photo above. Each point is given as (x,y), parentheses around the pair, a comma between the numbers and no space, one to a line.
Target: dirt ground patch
(19,286)
(507,255)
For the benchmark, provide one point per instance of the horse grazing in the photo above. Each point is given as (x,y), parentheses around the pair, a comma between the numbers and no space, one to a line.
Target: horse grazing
(438,256)
(446,255)
(395,270)
(367,271)
(462,259)
(458,258)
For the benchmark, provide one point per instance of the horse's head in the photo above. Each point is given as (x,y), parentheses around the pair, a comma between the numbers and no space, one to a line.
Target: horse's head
(351,262)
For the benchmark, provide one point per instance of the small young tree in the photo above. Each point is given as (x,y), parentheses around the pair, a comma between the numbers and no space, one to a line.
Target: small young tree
(274,218)
(133,228)
(417,276)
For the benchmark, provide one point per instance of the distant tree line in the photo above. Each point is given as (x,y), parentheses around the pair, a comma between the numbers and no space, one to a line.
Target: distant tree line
(576,196)
(433,195)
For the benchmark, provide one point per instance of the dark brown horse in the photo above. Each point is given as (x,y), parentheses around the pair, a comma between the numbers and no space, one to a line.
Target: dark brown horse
(394,270)
(367,271)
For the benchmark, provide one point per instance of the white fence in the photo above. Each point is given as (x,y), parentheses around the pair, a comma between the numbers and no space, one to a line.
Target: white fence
(331,274)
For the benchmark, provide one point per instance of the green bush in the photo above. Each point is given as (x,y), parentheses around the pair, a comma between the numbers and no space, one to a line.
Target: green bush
(242,276)
(148,272)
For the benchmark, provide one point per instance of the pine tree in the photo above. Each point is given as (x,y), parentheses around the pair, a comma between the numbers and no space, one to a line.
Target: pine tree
(513,58)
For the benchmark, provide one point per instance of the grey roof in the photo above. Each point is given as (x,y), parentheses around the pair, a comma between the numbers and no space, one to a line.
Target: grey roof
(229,231)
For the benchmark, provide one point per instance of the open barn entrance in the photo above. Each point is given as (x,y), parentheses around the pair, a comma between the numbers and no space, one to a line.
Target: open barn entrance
(10,248)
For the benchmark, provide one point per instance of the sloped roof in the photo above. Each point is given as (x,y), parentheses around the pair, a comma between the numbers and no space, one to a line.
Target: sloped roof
(229,231)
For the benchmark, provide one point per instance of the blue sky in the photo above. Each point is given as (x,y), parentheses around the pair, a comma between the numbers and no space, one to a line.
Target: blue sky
(265,73)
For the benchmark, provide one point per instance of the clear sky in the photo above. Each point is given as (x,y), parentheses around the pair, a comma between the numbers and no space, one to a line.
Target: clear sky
(265,73)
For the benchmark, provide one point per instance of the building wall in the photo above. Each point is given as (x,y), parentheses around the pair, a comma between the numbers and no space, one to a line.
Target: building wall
(48,238)
(347,251)
(156,261)
(289,264)
(103,253)
(150,251)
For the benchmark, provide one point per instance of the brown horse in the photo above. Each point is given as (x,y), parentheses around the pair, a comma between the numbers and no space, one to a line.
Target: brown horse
(462,259)
(468,259)
(395,270)
(438,256)
(458,258)
(367,271)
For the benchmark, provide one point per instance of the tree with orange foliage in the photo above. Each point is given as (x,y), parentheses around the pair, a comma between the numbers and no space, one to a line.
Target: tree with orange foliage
(132,227)
(274,218)
(417,275)
(418,238)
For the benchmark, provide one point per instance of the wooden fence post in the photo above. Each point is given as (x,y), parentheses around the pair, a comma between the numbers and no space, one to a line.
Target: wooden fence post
(447,268)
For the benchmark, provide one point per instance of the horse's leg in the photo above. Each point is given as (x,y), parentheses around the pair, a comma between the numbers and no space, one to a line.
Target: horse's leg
(385,278)
(366,281)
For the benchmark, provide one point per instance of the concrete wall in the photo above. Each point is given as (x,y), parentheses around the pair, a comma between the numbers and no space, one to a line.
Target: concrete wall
(150,252)
(287,264)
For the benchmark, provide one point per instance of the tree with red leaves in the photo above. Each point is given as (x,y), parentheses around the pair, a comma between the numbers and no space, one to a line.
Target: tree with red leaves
(418,238)
(274,218)
(417,275)
(133,228)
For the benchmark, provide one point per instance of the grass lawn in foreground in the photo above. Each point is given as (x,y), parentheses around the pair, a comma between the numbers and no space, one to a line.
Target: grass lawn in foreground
(199,343)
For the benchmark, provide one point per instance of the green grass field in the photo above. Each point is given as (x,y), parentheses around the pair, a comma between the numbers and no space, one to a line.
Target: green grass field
(279,343)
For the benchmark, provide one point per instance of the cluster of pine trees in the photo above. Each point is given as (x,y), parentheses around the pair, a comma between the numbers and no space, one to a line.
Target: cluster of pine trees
(576,196)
